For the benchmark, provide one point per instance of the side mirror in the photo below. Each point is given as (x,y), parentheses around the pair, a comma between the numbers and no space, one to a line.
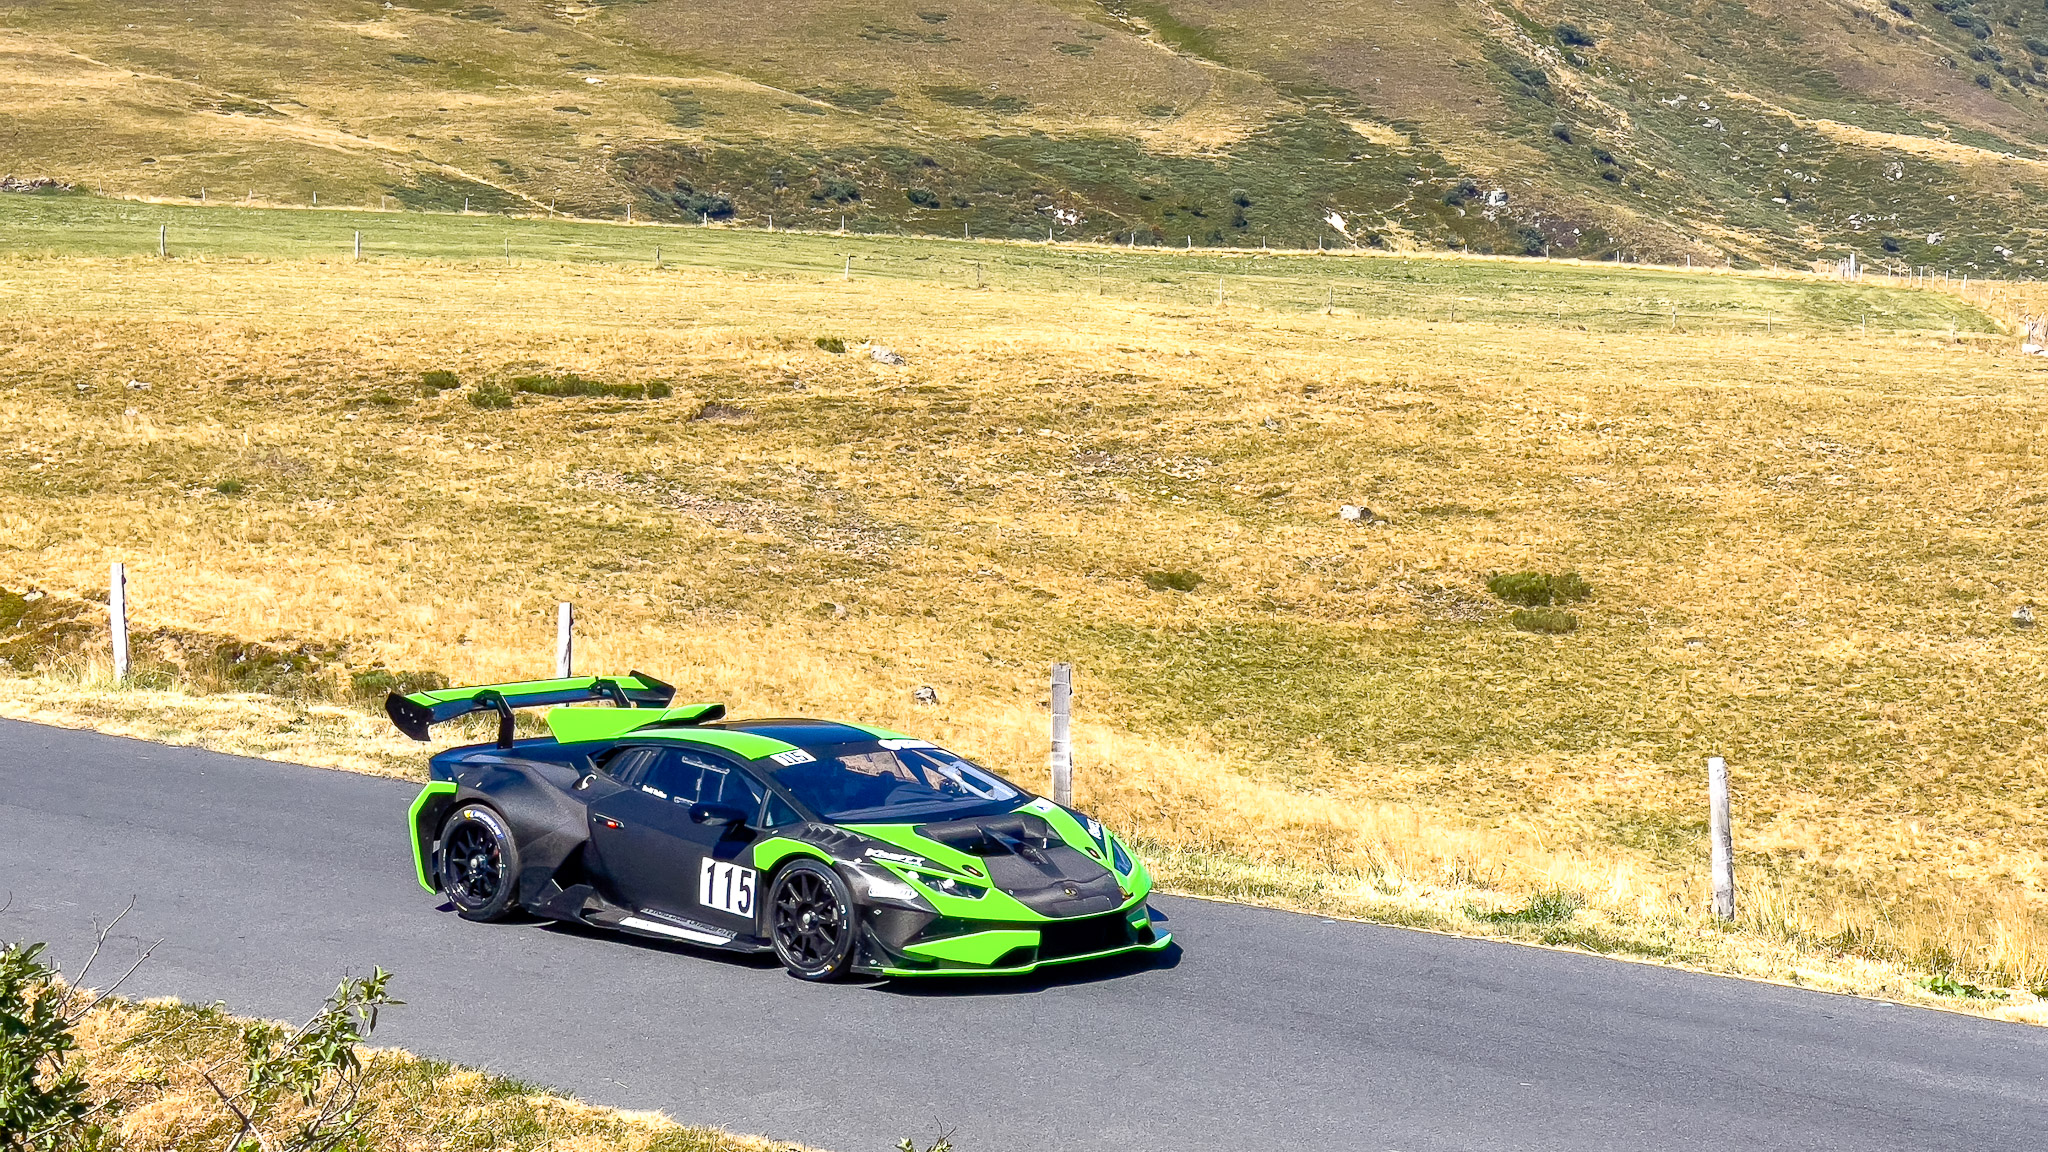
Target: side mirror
(717,814)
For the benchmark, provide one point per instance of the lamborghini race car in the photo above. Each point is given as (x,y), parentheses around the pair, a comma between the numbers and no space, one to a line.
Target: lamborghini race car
(840,847)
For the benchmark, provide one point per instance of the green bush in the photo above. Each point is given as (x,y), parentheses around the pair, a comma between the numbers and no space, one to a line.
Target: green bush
(439,380)
(230,487)
(377,683)
(659,390)
(385,400)
(1544,621)
(1173,580)
(1540,589)
(1552,907)
(832,344)
(43,1094)
(922,197)
(490,396)
(570,384)
(836,190)
(1573,36)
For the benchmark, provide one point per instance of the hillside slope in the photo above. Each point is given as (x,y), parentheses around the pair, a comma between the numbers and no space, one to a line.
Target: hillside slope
(1761,132)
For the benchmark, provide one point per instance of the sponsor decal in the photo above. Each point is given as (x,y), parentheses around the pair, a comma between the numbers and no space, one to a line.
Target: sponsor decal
(898,857)
(793,756)
(900,745)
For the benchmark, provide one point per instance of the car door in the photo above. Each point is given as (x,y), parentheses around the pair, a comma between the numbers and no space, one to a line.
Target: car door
(662,862)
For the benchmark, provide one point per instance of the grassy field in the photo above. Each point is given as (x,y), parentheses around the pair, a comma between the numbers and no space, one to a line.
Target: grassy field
(1803,542)
(1764,132)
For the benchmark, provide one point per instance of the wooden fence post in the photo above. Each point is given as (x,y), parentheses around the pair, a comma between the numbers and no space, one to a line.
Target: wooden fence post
(117,617)
(565,641)
(1062,742)
(1723,838)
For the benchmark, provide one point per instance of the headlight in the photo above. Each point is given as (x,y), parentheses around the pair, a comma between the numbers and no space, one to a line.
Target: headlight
(1119,857)
(875,884)
(949,886)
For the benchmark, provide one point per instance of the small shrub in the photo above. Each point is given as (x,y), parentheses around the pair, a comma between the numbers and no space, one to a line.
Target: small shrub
(439,380)
(1900,8)
(230,487)
(659,390)
(377,683)
(1552,907)
(836,190)
(1950,986)
(1983,80)
(1573,36)
(2037,47)
(385,400)
(1240,197)
(570,384)
(832,344)
(490,396)
(1889,243)
(922,197)
(1602,155)
(45,1091)
(1464,192)
(1534,81)
(1562,131)
(1172,580)
(1539,589)
(1544,621)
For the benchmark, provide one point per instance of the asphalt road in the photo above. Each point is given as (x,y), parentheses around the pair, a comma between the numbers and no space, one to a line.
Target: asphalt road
(1270,1030)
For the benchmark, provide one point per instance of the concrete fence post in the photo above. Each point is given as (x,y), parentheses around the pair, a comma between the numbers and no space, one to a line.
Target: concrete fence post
(117,617)
(1723,838)
(565,641)
(1062,739)
(163,240)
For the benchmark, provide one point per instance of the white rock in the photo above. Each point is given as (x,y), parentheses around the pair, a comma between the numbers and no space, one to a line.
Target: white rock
(884,356)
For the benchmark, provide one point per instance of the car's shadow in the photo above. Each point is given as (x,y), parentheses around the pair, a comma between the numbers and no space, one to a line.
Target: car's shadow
(1051,976)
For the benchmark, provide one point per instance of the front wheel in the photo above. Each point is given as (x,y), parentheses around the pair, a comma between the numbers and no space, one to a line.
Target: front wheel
(810,919)
(479,863)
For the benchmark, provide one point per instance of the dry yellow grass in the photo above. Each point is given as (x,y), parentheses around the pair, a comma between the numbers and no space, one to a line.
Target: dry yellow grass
(1804,550)
(150,1060)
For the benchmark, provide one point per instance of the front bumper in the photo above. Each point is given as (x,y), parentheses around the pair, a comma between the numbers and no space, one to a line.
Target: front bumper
(892,946)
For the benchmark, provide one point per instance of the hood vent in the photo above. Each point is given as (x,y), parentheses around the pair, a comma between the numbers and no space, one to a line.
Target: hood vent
(1027,859)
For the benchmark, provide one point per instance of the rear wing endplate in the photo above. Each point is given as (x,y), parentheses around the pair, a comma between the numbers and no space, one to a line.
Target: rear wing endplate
(417,713)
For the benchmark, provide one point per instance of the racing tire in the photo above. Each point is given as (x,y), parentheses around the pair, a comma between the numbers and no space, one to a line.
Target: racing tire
(478,863)
(811,921)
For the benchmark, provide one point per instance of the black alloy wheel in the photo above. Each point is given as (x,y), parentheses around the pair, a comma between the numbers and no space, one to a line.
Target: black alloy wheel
(811,921)
(479,863)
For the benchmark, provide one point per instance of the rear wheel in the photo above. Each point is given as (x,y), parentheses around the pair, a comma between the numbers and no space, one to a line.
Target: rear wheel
(810,919)
(479,863)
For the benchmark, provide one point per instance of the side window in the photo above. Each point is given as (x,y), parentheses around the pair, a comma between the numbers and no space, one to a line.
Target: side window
(689,777)
(779,813)
(630,766)
(734,786)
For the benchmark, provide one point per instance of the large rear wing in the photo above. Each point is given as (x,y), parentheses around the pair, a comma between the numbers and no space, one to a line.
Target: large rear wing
(417,713)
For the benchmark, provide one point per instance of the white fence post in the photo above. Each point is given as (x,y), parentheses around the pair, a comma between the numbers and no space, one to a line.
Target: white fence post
(565,641)
(1723,838)
(117,617)
(1062,742)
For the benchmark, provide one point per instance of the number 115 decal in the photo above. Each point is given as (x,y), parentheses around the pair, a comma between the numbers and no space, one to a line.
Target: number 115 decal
(726,887)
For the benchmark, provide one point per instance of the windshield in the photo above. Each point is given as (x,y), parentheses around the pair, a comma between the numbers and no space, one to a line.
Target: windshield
(896,783)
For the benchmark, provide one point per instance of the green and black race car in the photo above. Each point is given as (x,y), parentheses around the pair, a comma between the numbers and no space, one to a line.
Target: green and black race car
(841,847)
